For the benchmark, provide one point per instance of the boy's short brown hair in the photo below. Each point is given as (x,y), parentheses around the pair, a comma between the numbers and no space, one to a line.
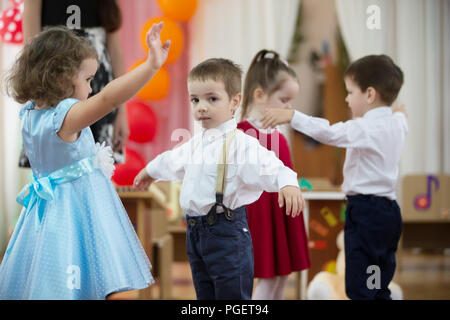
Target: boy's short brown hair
(378,72)
(219,69)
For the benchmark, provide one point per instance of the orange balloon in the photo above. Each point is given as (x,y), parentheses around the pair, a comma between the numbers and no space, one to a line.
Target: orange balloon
(178,10)
(170,31)
(157,88)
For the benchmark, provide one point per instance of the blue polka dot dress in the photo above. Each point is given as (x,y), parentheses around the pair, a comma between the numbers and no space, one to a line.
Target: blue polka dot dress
(73,239)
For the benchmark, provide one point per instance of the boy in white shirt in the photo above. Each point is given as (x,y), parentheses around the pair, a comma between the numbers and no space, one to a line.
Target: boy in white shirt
(374,140)
(222,170)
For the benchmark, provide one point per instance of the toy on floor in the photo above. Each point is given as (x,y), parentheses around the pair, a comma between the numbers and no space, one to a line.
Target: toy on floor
(331,286)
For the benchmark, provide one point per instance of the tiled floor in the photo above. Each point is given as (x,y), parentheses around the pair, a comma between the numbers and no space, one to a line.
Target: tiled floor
(421,275)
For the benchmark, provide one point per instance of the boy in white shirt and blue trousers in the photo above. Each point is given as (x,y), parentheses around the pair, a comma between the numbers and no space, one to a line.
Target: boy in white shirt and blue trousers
(222,170)
(374,140)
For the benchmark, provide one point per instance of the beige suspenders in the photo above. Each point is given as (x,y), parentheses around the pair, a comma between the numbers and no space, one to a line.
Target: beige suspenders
(211,217)
(222,166)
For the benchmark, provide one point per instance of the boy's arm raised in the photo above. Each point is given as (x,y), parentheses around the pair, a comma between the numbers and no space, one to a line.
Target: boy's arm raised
(267,172)
(118,91)
(348,134)
(276,116)
(400,108)
(342,134)
(167,166)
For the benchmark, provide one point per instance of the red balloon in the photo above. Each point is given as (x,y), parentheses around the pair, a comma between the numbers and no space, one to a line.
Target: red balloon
(125,173)
(142,121)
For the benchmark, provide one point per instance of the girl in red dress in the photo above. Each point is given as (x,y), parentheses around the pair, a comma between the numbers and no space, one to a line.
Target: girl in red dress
(280,242)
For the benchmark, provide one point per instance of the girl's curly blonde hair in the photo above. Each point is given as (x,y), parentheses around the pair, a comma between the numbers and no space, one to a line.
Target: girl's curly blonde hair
(45,69)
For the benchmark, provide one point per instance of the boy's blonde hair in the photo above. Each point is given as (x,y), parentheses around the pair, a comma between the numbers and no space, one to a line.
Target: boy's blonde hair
(219,69)
(46,67)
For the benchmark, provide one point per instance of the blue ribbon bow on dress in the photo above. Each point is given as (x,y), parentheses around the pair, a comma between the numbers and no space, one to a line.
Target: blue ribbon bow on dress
(43,188)
(37,189)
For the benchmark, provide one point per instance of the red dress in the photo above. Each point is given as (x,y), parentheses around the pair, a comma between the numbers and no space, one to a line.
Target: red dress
(280,243)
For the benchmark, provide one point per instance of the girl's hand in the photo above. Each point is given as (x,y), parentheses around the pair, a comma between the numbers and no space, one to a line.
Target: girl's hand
(400,108)
(142,181)
(293,199)
(276,116)
(157,53)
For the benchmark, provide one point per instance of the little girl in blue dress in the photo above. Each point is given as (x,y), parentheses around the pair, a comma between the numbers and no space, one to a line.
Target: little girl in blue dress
(73,239)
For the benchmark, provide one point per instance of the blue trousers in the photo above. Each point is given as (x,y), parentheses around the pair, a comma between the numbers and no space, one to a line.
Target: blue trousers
(372,230)
(221,257)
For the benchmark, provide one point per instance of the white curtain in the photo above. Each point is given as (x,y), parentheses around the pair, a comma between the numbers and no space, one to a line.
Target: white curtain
(446,86)
(416,34)
(353,17)
(238,29)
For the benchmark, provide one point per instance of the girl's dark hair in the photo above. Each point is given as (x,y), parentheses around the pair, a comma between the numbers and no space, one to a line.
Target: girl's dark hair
(378,72)
(44,71)
(264,72)
(109,15)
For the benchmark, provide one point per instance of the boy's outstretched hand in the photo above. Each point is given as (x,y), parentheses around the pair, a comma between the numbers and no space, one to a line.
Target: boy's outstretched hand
(276,116)
(400,108)
(142,181)
(293,199)
(157,52)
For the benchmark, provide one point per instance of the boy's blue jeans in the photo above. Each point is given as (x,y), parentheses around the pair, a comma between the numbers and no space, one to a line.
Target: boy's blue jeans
(221,257)
(373,226)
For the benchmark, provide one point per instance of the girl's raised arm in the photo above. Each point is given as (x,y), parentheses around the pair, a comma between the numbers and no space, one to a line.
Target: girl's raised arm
(118,91)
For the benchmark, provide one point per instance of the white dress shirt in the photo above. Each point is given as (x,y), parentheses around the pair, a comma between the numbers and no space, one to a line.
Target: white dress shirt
(251,169)
(373,142)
